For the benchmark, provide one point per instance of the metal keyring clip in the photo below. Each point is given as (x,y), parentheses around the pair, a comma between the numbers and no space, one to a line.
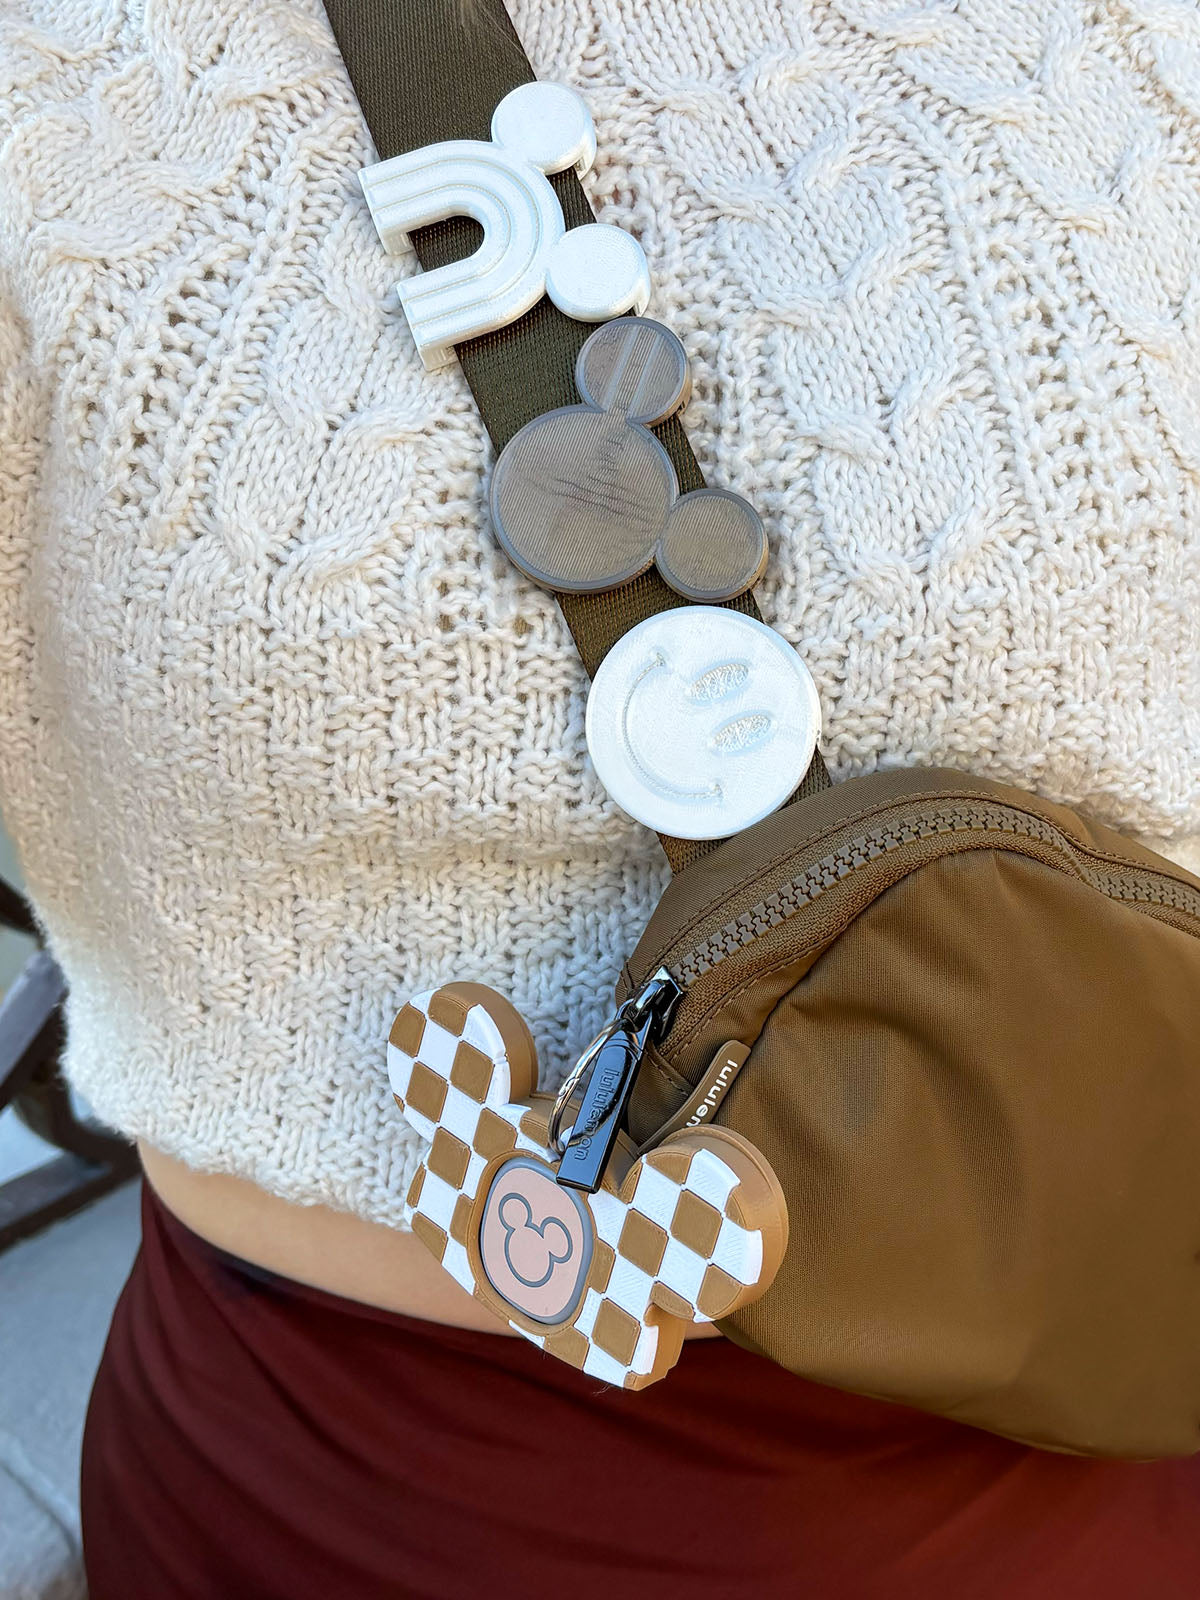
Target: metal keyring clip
(606,1072)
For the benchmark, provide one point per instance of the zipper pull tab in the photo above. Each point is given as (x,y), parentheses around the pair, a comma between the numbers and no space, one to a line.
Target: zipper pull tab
(610,1067)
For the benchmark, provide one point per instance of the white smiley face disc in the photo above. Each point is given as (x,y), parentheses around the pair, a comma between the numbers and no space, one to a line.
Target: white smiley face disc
(701,721)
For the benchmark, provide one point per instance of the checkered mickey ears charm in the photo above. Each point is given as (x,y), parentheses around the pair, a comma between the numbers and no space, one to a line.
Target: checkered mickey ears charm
(683,1233)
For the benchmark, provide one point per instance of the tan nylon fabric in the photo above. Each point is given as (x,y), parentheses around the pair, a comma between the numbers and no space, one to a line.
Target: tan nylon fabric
(982,1098)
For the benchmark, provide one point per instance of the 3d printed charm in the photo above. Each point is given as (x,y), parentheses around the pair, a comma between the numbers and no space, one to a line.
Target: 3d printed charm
(686,1232)
(701,721)
(591,273)
(585,498)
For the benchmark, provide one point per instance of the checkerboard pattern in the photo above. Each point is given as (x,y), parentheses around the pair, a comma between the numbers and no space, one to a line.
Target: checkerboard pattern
(697,1227)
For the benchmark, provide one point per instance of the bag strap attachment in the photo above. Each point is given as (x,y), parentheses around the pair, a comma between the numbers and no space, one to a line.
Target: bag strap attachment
(426,71)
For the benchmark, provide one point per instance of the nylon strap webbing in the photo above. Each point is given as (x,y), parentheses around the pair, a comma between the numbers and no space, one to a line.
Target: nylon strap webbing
(430,70)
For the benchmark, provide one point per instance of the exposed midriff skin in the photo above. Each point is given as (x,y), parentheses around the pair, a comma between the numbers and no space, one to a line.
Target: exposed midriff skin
(327,1249)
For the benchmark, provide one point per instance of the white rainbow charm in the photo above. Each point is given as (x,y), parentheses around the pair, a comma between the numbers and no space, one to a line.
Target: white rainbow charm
(591,273)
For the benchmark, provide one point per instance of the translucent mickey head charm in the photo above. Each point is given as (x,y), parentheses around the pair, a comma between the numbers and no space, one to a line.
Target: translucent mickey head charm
(591,273)
(608,1282)
(585,498)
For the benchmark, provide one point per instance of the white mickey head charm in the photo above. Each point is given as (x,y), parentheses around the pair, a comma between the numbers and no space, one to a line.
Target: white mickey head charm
(701,721)
(591,273)
(685,1232)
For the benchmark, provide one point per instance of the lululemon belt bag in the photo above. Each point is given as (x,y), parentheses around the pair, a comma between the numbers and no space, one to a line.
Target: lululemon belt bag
(902,1083)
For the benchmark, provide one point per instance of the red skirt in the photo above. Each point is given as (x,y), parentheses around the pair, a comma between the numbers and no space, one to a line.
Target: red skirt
(250,1437)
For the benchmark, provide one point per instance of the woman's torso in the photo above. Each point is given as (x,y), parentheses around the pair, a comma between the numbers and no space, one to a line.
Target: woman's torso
(284,739)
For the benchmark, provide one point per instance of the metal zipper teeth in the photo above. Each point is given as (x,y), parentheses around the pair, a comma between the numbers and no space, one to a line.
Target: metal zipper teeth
(1132,884)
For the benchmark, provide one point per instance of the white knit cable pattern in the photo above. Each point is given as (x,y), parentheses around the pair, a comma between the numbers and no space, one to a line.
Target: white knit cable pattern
(283,739)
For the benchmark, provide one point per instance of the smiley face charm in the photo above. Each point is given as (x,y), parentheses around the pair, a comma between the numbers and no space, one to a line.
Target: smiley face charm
(701,721)
(685,1232)
(585,498)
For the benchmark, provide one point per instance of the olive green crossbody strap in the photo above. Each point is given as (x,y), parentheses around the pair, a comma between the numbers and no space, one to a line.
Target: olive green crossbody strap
(425,71)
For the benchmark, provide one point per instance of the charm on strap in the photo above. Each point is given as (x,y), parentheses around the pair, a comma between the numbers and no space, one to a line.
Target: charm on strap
(585,498)
(608,1282)
(591,273)
(701,721)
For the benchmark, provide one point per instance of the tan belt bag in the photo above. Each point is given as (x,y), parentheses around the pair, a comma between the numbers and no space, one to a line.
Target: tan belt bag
(974,1031)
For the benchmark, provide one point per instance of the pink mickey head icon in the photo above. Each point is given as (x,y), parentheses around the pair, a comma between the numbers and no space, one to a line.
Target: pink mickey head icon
(585,498)
(535,1240)
(533,1249)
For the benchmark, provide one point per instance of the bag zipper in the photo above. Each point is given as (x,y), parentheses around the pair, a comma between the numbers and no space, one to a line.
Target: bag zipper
(1130,884)
(905,835)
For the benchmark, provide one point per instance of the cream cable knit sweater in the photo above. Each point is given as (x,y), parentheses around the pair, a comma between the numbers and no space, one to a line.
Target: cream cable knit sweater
(283,737)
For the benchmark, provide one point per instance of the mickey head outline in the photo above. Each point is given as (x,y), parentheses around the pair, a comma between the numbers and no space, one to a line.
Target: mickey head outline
(533,1240)
(585,498)
(516,1218)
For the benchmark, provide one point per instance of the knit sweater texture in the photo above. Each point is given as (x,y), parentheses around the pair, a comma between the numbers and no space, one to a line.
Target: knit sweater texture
(284,738)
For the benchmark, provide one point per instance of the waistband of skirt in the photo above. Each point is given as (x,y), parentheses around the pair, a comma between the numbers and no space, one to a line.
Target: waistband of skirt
(213,1263)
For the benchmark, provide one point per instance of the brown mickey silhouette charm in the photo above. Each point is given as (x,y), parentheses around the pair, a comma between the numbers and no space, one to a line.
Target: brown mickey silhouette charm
(585,498)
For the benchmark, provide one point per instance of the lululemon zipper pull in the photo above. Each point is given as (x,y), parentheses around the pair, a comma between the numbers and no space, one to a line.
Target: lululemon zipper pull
(606,1073)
